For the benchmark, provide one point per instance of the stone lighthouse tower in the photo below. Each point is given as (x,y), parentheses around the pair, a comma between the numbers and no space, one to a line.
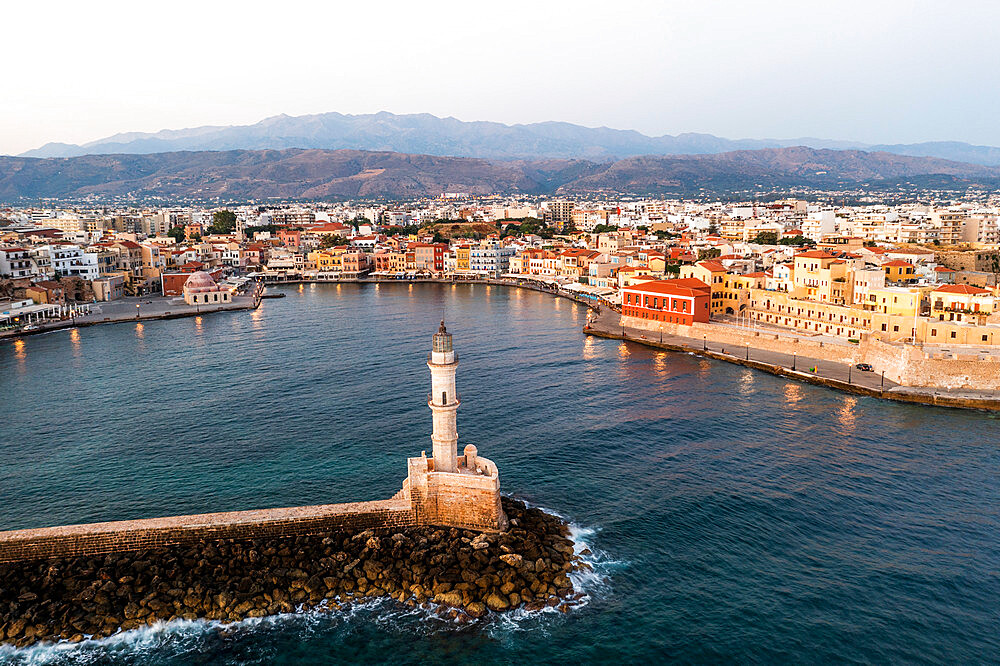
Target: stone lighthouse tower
(443,401)
(451,490)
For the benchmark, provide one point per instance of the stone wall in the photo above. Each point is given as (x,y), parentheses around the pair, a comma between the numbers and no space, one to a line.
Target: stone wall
(725,335)
(464,500)
(912,366)
(133,535)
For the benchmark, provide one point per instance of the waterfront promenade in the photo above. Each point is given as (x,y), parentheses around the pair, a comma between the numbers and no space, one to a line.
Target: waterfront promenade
(606,323)
(137,309)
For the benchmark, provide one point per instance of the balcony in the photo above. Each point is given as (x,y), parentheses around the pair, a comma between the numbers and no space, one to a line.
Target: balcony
(455,403)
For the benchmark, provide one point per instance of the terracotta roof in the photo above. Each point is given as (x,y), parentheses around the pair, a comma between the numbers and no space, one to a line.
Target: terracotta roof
(711,265)
(898,263)
(966,289)
(815,254)
(944,269)
(680,287)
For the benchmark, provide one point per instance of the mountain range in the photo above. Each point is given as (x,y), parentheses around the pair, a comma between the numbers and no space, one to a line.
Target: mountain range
(430,135)
(240,175)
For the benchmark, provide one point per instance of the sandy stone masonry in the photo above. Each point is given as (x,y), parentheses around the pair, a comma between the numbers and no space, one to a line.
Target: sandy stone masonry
(131,535)
(446,490)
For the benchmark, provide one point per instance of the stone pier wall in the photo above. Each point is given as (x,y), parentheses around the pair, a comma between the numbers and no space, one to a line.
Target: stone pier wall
(133,535)
(724,335)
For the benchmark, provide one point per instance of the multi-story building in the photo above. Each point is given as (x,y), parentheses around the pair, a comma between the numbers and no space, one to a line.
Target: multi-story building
(15,262)
(680,301)
(490,258)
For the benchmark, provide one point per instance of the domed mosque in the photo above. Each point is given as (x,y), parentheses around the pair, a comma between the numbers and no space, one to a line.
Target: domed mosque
(201,289)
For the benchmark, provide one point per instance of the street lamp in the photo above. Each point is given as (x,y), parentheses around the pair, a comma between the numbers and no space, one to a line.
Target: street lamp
(704,342)
(849,367)
(794,356)
(748,350)
(137,310)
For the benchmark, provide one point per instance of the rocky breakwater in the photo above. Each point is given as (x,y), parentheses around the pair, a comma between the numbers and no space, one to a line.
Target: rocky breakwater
(465,574)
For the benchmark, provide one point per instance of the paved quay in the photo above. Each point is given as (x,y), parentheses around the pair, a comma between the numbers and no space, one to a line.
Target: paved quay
(138,309)
(841,376)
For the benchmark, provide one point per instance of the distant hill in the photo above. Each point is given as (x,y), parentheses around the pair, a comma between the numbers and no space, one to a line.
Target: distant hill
(350,174)
(429,135)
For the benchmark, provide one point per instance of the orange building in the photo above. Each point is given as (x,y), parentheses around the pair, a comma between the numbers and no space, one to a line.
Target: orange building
(683,301)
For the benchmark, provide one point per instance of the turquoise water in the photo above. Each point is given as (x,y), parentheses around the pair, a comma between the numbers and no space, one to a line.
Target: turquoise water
(733,516)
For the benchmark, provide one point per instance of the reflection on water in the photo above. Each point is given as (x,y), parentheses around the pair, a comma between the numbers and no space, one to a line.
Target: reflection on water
(140,331)
(848,412)
(747,382)
(589,348)
(793,394)
(659,364)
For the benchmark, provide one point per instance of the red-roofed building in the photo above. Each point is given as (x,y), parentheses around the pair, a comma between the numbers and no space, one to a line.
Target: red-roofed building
(683,301)
(962,302)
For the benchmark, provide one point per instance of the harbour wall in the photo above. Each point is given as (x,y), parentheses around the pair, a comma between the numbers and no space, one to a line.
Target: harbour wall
(133,535)
(247,570)
(986,400)
(738,338)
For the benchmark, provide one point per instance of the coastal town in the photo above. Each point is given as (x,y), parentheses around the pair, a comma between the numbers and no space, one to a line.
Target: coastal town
(907,291)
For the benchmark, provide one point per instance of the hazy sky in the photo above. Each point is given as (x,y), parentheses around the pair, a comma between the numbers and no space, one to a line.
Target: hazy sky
(874,71)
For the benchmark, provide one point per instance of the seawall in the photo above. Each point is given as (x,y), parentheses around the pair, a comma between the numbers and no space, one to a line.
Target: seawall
(913,395)
(132,535)
(263,564)
(93,320)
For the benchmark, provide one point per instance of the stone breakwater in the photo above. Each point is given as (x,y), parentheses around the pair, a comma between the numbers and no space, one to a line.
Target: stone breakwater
(466,573)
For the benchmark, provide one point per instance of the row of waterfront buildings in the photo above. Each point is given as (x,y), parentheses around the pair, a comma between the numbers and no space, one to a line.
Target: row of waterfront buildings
(923,273)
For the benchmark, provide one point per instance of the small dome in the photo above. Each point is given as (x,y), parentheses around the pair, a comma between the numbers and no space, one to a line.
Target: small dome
(200,281)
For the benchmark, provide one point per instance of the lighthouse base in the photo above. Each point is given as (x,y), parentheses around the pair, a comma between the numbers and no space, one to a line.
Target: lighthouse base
(468,498)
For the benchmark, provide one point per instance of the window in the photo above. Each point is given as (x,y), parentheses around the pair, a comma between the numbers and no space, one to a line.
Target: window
(953,334)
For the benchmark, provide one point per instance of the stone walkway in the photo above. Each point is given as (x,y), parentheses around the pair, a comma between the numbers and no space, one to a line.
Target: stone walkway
(839,376)
(124,309)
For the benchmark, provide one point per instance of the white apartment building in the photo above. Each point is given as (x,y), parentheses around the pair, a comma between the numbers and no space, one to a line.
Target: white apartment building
(491,258)
(16,262)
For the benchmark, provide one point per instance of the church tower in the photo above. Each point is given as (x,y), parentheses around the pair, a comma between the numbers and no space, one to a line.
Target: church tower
(443,401)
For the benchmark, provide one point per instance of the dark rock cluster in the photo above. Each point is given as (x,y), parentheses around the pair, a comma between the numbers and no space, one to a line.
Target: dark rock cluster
(466,573)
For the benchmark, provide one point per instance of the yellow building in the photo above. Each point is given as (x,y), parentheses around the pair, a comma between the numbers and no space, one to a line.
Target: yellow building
(894,301)
(462,253)
(821,276)
(899,272)
(962,302)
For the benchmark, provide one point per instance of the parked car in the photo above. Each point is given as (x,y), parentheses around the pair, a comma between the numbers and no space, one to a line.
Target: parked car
(864,367)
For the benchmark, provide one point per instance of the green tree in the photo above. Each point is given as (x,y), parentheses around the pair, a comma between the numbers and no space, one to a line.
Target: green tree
(766,238)
(603,229)
(330,240)
(795,240)
(177,233)
(223,222)
(713,228)
(710,253)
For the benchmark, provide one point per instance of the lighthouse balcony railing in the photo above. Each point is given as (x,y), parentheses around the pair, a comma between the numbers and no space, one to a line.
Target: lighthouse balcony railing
(456,399)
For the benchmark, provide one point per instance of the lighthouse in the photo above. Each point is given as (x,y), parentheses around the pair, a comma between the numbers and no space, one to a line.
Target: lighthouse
(451,490)
(444,401)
